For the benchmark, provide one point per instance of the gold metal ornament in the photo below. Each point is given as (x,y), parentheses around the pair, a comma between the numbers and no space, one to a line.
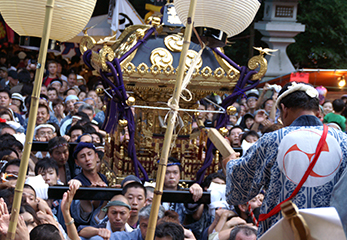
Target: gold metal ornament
(155,69)
(104,107)
(142,68)
(123,122)
(232,72)
(99,91)
(259,61)
(161,57)
(219,73)
(190,58)
(87,42)
(106,54)
(231,110)
(130,101)
(254,63)
(206,72)
(224,131)
(174,42)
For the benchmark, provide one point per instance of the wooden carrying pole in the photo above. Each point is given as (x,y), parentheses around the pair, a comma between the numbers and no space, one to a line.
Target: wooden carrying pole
(32,120)
(171,124)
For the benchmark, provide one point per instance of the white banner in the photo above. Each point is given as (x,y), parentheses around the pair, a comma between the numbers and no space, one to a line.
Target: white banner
(123,16)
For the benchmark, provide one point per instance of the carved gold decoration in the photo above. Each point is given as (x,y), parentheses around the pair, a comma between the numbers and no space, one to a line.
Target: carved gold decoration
(99,91)
(233,73)
(231,110)
(126,33)
(190,57)
(126,45)
(223,131)
(254,63)
(99,59)
(130,101)
(142,68)
(161,57)
(174,42)
(168,70)
(155,21)
(266,51)
(129,68)
(219,73)
(195,72)
(87,42)
(206,72)
(155,69)
(123,122)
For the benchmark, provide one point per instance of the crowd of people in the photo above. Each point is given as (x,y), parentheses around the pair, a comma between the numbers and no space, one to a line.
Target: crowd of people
(70,111)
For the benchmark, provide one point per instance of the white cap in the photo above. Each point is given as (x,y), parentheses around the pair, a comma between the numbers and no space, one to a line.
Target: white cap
(44,126)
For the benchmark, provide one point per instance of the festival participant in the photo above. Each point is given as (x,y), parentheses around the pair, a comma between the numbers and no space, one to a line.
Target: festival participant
(140,232)
(136,194)
(52,68)
(336,117)
(172,178)
(5,101)
(59,151)
(234,136)
(279,159)
(85,157)
(118,213)
(72,80)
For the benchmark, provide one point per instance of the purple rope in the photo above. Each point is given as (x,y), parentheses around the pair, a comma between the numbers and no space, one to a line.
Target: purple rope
(239,89)
(225,57)
(121,110)
(148,34)
(86,58)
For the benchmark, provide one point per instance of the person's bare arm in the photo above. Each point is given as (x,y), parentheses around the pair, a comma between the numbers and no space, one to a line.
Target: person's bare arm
(65,208)
(261,97)
(89,232)
(272,115)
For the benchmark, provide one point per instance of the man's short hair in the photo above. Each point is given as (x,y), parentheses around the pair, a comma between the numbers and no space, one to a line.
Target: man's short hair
(146,211)
(45,232)
(247,230)
(53,89)
(169,229)
(44,106)
(57,101)
(249,133)
(9,141)
(56,142)
(86,106)
(75,127)
(6,91)
(298,99)
(338,105)
(15,162)
(51,61)
(134,185)
(207,181)
(175,161)
(46,163)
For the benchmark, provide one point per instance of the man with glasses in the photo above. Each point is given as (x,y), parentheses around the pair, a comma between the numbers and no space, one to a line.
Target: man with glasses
(44,132)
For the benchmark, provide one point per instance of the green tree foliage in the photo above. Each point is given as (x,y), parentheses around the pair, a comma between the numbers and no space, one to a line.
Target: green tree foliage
(324,42)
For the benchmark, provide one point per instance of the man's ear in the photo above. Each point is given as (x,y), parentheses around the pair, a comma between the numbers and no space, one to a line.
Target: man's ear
(242,207)
(76,162)
(284,111)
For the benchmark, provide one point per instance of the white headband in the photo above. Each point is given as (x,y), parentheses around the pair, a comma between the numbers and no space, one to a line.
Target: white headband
(309,90)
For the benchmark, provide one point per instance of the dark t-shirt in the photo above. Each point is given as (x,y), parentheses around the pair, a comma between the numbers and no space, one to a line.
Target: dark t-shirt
(85,181)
